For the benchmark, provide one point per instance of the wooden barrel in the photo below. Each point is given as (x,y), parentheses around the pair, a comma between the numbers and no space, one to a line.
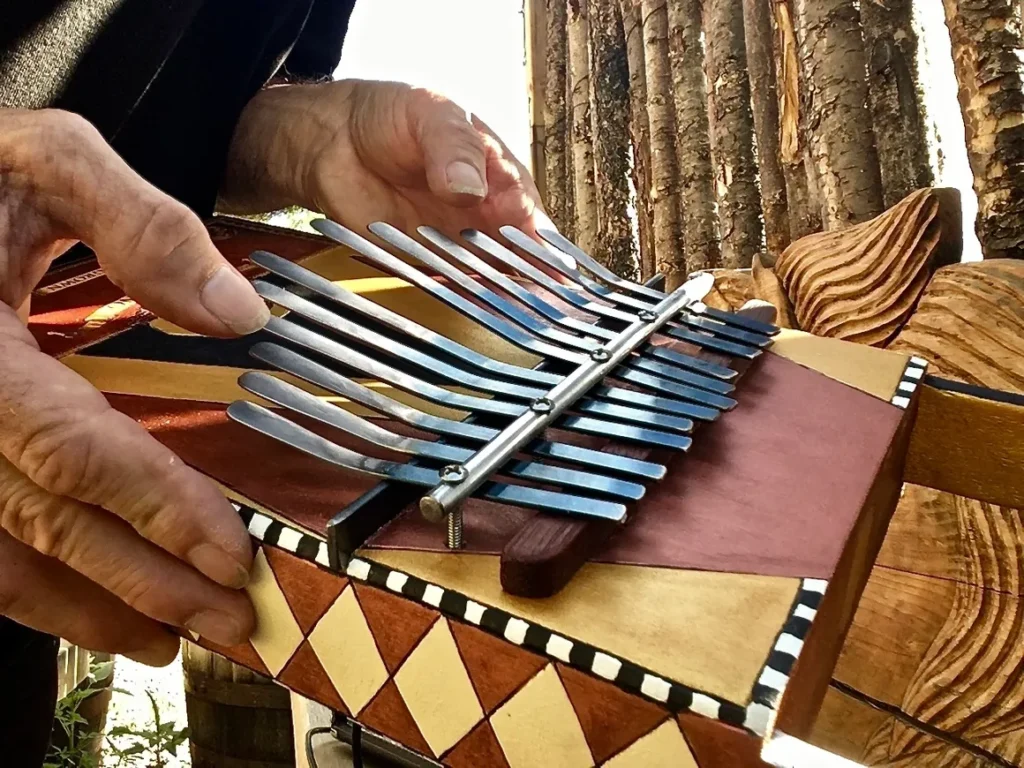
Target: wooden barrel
(236,718)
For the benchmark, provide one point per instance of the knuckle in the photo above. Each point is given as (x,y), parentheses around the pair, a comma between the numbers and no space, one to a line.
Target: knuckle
(167,226)
(58,455)
(43,522)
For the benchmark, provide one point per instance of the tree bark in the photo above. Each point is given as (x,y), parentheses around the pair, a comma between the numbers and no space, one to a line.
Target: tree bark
(665,199)
(801,195)
(890,44)
(764,102)
(732,134)
(686,56)
(986,37)
(556,170)
(585,196)
(570,177)
(842,140)
(640,133)
(610,120)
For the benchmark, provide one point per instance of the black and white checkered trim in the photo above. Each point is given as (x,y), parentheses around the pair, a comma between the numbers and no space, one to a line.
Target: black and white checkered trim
(277,534)
(587,658)
(771,684)
(909,382)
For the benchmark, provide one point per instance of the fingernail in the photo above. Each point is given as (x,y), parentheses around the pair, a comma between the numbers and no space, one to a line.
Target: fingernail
(464,179)
(229,297)
(218,565)
(217,627)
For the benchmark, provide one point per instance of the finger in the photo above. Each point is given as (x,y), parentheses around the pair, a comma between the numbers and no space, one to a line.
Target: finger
(454,158)
(109,553)
(46,595)
(150,245)
(63,435)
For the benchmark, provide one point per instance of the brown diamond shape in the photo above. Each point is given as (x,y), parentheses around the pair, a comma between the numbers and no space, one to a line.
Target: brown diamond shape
(497,668)
(388,714)
(397,624)
(479,748)
(309,590)
(611,718)
(717,745)
(305,675)
(243,654)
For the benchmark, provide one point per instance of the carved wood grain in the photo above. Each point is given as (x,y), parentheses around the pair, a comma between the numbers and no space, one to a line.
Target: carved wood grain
(862,283)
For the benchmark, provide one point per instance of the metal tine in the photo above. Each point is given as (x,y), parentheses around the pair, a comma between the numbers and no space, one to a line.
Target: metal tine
(303,368)
(268,423)
(500,252)
(538,251)
(395,266)
(409,246)
(460,377)
(289,396)
(338,295)
(694,370)
(503,306)
(296,334)
(746,344)
(593,265)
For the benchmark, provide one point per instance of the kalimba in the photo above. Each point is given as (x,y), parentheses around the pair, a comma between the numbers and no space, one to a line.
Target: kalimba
(511,510)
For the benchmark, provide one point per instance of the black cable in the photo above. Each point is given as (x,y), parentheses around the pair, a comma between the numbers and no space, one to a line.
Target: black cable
(310,757)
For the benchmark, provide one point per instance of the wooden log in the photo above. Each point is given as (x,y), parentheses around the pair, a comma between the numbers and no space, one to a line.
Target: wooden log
(764,101)
(890,42)
(639,134)
(536,41)
(686,57)
(801,195)
(556,176)
(987,37)
(665,179)
(840,134)
(584,192)
(610,120)
(862,284)
(732,134)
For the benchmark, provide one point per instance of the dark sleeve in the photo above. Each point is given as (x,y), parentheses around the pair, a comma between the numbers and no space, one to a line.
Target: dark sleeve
(318,50)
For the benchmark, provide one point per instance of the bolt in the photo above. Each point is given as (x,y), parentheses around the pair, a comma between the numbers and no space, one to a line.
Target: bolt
(647,315)
(453,474)
(600,355)
(541,405)
(455,529)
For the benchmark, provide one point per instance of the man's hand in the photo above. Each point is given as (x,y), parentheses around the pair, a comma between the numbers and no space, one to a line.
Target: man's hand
(362,151)
(105,535)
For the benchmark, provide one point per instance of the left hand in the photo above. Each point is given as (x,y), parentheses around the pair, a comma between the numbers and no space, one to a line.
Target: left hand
(365,151)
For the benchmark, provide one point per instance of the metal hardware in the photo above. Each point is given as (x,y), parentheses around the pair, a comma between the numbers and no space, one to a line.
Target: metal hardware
(493,455)
(600,355)
(541,405)
(646,315)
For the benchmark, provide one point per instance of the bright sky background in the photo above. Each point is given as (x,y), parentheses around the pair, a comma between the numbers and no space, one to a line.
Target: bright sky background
(473,52)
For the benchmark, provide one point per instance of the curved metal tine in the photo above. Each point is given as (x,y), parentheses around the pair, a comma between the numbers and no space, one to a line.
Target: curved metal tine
(317,343)
(661,370)
(303,368)
(324,317)
(289,396)
(345,298)
(594,266)
(395,266)
(689,366)
(538,251)
(499,304)
(278,428)
(516,262)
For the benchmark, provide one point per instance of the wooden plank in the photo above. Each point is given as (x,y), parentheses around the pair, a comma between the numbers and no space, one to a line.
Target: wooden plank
(535,19)
(969,444)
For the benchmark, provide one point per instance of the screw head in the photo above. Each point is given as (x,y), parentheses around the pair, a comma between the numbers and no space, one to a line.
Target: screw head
(647,315)
(600,355)
(454,474)
(541,405)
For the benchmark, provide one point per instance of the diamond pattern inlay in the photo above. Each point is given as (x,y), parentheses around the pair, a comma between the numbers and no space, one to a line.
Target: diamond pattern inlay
(277,634)
(345,646)
(664,747)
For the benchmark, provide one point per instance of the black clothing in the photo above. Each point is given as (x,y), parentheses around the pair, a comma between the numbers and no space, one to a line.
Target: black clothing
(165,82)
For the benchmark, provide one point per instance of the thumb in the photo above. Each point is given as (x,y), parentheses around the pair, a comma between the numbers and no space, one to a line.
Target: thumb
(150,245)
(454,157)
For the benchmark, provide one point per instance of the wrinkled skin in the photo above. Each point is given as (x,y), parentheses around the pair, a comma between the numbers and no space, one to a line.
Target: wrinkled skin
(106,537)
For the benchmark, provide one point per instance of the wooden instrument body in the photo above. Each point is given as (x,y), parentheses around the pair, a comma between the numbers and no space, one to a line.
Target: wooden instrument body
(710,623)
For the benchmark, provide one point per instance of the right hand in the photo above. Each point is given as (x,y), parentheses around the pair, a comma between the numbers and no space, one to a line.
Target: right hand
(106,536)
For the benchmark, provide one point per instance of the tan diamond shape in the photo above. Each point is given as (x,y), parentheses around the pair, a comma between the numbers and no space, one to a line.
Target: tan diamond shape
(345,646)
(664,747)
(538,726)
(436,687)
(277,634)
